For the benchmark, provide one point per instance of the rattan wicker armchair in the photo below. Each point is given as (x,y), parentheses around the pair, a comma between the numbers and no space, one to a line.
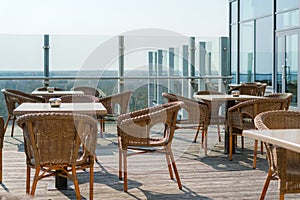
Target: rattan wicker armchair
(240,117)
(284,164)
(90,91)
(134,133)
(197,116)
(79,98)
(216,117)
(115,105)
(52,142)
(13,98)
(287,96)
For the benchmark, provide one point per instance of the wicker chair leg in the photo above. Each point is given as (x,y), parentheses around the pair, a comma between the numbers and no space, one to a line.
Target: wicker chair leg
(242,141)
(28,180)
(175,169)
(35,180)
(6,123)
(169,165)
(125,170)
(76,185)
(230,145)
(205,142)
(267,182)
(196,135)
(281,196)
(120,164)
(219,133)
(1,165)
(261,148)
(91,182)
(255,154)
(13,126)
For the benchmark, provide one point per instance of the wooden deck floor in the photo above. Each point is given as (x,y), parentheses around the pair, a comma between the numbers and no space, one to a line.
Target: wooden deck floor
(203,177)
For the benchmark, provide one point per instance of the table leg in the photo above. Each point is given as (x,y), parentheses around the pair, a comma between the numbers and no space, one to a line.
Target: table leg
(61,183)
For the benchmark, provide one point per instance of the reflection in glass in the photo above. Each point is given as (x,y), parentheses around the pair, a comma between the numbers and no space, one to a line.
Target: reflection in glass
(287,20)
(282,5)
(255,8)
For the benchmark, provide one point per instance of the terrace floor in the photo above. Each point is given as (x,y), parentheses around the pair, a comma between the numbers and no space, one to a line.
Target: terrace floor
(203,177)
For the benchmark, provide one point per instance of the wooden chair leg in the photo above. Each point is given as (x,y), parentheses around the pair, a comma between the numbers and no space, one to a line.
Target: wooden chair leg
(7,122)
(255,154)
(91,182)
(35,180)
(1,165)
(13,126)
(205,142)
(267,182)
(198,129)
(169,165)
(28,180)
(125,170)
(175,169)
(76,185)
(261,148)
(230,145)
(120,164)
(242,141)
(219,133)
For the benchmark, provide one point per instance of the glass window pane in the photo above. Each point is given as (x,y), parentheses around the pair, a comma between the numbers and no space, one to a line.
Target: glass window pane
(264,46)
(287,20)
(22,53)
(282,5)
(234,12)
(246,51)
(255,8)
(234,52)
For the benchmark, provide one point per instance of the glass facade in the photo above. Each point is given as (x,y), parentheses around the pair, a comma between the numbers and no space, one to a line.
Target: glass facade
(264,37)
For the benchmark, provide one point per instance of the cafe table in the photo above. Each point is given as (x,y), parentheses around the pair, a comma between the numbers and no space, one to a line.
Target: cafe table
(47,95)
(230,100)
(285,138)
(79,108)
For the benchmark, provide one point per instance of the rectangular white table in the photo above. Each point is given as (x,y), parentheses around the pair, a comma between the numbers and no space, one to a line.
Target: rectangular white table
(47,95)
(82,108)
(286,138)
(230,101)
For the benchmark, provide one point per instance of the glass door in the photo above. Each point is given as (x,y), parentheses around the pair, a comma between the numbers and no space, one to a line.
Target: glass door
(287,60)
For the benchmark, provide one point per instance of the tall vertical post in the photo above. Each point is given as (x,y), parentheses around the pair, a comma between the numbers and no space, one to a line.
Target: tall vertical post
(225,69)
(150,82)
(202,63)
(121,63)
(46,48)
(159,73)
(192,64)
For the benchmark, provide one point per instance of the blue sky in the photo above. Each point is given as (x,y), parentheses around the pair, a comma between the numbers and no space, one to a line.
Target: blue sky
(113,17)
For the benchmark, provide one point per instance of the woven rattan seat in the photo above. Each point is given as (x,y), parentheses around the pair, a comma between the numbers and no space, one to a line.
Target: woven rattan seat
(240,117)
(115,105)
(52,142)
(284,164)
(216,117)
(197,116)
(13,98)
(134,133)
(90,91)
(79,98)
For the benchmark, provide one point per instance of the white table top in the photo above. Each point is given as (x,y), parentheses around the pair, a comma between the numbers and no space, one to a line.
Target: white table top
(286,138)
(225,97)
(82,108)
(56,93)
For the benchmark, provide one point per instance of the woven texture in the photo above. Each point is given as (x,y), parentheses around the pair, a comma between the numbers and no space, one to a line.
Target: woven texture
(134,132)
(197,115)
(52,142)
(79,98)
(287,96)
(115,105)
(240,117)
(13,98)
(96,92)
(284,164)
